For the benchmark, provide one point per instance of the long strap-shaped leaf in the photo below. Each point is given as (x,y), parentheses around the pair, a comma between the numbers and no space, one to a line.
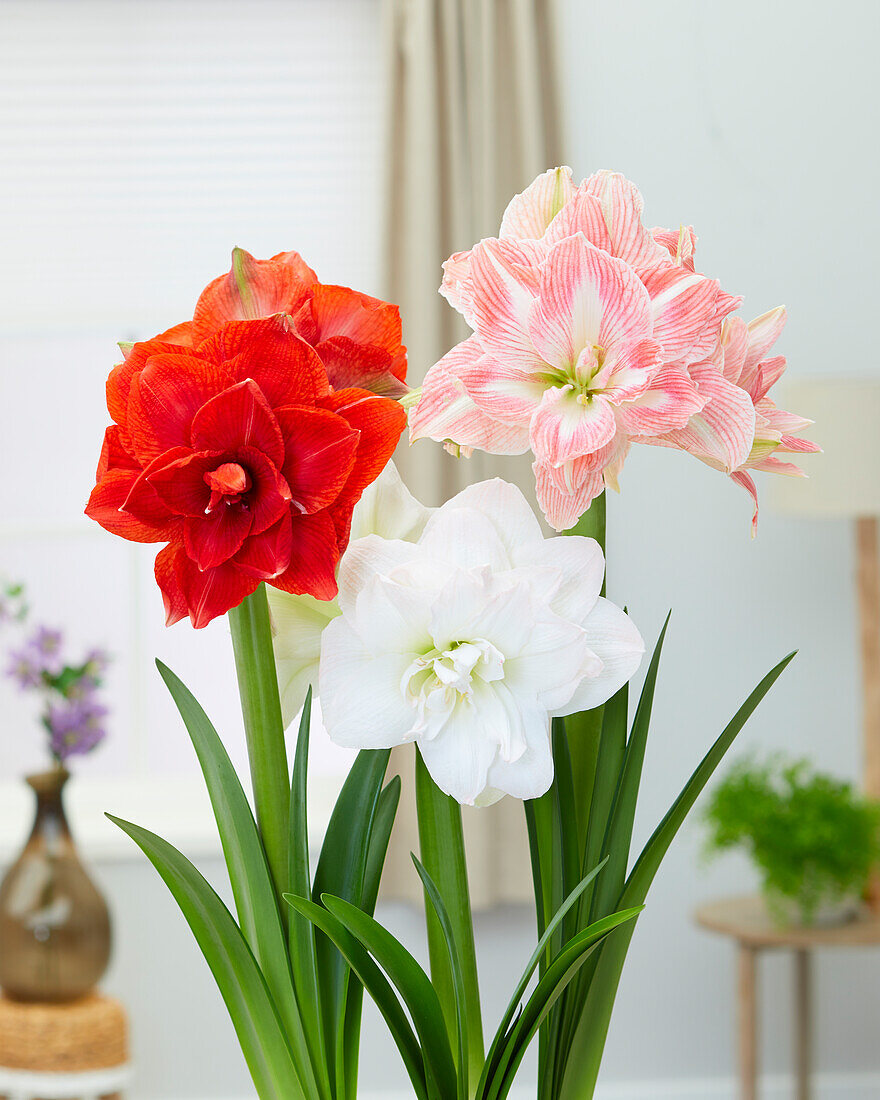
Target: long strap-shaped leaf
(378,986)
(414,987)
(509,1017)
(235,969)
(340,871)
(301,932)
(249,876)
(379,838)
(559,973)
(457,976)
(585,1054)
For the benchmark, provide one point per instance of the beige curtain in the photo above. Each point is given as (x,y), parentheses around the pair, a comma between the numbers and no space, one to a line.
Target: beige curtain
(473,115)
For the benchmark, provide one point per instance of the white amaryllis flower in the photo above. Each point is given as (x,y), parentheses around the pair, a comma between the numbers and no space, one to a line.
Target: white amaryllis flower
(469,641)
(386,508)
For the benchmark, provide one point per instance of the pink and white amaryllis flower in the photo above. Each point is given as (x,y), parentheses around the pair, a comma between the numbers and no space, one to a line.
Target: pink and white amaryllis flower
(468,640)
(585,323)
(740,428)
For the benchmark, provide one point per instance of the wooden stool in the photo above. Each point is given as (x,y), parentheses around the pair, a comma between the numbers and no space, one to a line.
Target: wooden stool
(745,919)
(75,1051)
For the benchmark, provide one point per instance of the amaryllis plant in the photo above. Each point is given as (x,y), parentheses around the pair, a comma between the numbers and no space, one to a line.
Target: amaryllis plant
(68,689)
(254,442)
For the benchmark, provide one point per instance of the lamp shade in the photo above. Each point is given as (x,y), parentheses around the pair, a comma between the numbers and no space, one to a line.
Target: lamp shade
(845,479)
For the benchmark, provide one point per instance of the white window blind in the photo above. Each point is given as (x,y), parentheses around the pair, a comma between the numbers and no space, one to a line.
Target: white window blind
(142,139)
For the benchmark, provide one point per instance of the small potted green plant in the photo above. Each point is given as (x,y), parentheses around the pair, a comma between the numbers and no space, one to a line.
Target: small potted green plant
(814,839)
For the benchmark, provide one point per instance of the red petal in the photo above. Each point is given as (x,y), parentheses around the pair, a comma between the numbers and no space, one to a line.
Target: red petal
(238,417)
(114,455)
(105,507)
(180,481)
(320,453)
(314,556)
(165,396)
(339,311)
(181,334)
(267,555)
(166,573)
(201,595)
(303,271)
(213,539)
(380,422)
(269,496)
(282,364)
(122,375)
(363,365)
(252,289)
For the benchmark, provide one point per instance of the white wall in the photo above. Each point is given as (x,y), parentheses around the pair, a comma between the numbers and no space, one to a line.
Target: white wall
(751,122)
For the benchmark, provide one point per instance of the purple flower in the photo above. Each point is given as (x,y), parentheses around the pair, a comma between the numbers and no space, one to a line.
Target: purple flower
(46,645)
(76,726)
(24,668)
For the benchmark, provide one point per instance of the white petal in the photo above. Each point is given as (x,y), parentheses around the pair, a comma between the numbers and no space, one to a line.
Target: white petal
(554,662)
(465,537)
(298,623)
(531,775)
(506,506)
(480,605)
(613,637)
(392,618)
(389,509)
(459,757)
(366,558)
(361,700)
(580,566)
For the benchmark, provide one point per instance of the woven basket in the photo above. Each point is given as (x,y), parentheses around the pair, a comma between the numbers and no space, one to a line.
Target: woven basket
(88,1034)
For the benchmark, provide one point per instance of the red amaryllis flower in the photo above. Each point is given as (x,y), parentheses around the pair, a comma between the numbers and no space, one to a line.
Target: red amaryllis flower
(357,337)
(239,455)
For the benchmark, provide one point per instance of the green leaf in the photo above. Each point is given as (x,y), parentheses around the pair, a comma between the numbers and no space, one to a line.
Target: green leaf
(249,875)
(510,1014)
(559,973)
(340,871)
(588,1043)
(414,987)
(441,846)
(381,834)
(457,976)
(301,932)
(375,982)
(618,836)
(235,969)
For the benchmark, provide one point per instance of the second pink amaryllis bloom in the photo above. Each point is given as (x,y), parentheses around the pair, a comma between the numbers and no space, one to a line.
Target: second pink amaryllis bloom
(563,362)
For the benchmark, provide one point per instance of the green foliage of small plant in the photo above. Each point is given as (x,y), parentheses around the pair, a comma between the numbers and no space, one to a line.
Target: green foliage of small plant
(814,838)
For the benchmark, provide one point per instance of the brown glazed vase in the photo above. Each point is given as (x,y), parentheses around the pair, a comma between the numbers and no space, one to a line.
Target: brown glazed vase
(54,924)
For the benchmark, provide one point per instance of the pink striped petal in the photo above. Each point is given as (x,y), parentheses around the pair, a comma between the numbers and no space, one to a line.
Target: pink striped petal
(669,402)
(748,484)
(681,244)
(622,207)
(631,370)
(722,433)
(764,331)
(587,298)
(564,503)
(563,428)
(445,411)
(501,391)
(530,213)
(767,375)
(684,309)
(734,347)
(504,285)
(456,280)
(582,214)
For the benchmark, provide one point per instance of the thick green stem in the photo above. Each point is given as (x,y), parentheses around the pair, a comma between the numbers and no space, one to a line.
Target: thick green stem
(441,845)
(264,728)
(584,729)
